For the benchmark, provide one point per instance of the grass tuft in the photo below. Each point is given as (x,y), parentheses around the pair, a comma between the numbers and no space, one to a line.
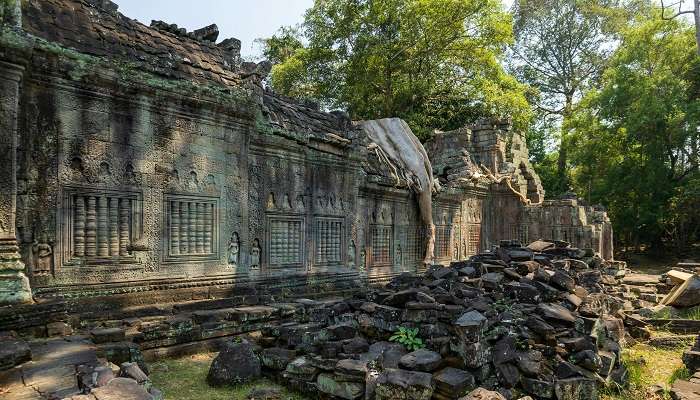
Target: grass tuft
(649,366)
(185,379)
(678,313)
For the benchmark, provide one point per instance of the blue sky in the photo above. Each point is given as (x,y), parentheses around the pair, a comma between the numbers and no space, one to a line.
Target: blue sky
(246,20)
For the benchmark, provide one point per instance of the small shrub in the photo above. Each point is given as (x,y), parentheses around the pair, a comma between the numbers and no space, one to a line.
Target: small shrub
(408,337)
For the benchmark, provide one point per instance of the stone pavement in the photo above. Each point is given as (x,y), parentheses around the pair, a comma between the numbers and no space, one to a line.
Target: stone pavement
(52,371)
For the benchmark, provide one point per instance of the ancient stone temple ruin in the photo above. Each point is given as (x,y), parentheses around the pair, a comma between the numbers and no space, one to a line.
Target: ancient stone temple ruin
(149,163)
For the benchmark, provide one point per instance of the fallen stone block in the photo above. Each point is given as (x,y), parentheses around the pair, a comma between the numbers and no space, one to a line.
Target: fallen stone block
(121,352)
(421,360)
(327,383)
(686,294)
(470,326)
(276,358)
(539,388)
(132,370)
(302,369)
(350,367)
(691,359)
(576,389)
(450,382)
(235,364)
(474,355)
(483,394)
(121,389)
(556,312)
(396,384)
(684,390)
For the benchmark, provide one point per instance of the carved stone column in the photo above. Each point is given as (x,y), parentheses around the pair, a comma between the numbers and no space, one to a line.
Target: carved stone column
(14,285)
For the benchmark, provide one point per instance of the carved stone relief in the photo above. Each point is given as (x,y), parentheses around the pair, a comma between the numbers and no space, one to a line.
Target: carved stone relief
(191,227)
(328,240)
(43,256)
(99,224)
(352,249)
(234,250)
(255,255)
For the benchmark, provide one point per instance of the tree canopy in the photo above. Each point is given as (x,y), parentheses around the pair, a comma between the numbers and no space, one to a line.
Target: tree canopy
(636,146)
(560,49)
(435,63)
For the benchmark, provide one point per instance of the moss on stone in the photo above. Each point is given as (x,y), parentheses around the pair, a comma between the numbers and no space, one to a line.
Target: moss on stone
(262,124)
(12,39)
(80,66)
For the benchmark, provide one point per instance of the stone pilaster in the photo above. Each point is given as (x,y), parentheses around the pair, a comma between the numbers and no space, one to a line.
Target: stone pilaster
(14,285)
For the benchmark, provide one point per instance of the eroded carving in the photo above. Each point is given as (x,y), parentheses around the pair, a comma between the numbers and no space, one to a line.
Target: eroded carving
(328,241)
(255,254)
(234,249)
(191,223)
(43,256)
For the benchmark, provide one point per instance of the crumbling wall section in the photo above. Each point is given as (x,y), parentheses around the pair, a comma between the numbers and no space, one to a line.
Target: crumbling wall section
(486,164)
(568,220)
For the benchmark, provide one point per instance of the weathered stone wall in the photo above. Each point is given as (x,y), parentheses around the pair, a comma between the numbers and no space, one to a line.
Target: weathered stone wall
(112,185)
(151,158)
(487,165)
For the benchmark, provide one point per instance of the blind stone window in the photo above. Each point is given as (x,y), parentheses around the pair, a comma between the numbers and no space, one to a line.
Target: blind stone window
(473,239)
(286,241)
(99,224)
(381,245)
(442,241)
(415,243)
(190,228)
(328,233)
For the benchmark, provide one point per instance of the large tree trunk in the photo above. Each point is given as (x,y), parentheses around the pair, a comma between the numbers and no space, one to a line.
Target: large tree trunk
(562,177)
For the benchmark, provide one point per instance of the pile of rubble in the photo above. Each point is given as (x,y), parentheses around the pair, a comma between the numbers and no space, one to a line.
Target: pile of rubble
(518,321)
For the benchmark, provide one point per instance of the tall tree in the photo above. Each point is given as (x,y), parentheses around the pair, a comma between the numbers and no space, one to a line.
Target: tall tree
(560,48)
(435,63)
(671,10)
(636,143)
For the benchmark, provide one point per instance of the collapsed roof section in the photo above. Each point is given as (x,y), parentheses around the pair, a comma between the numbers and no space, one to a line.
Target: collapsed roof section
(95,27)
(484,153)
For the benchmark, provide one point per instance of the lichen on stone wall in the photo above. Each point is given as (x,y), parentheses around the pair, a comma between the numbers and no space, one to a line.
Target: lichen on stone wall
(11,39)
(262,124)
(80,67)
(10,13)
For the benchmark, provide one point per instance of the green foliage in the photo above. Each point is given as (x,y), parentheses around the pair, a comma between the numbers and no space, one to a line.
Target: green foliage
(681,313)
(408,337)
(636,146)
(681,373)
(560,48)
(435,63)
